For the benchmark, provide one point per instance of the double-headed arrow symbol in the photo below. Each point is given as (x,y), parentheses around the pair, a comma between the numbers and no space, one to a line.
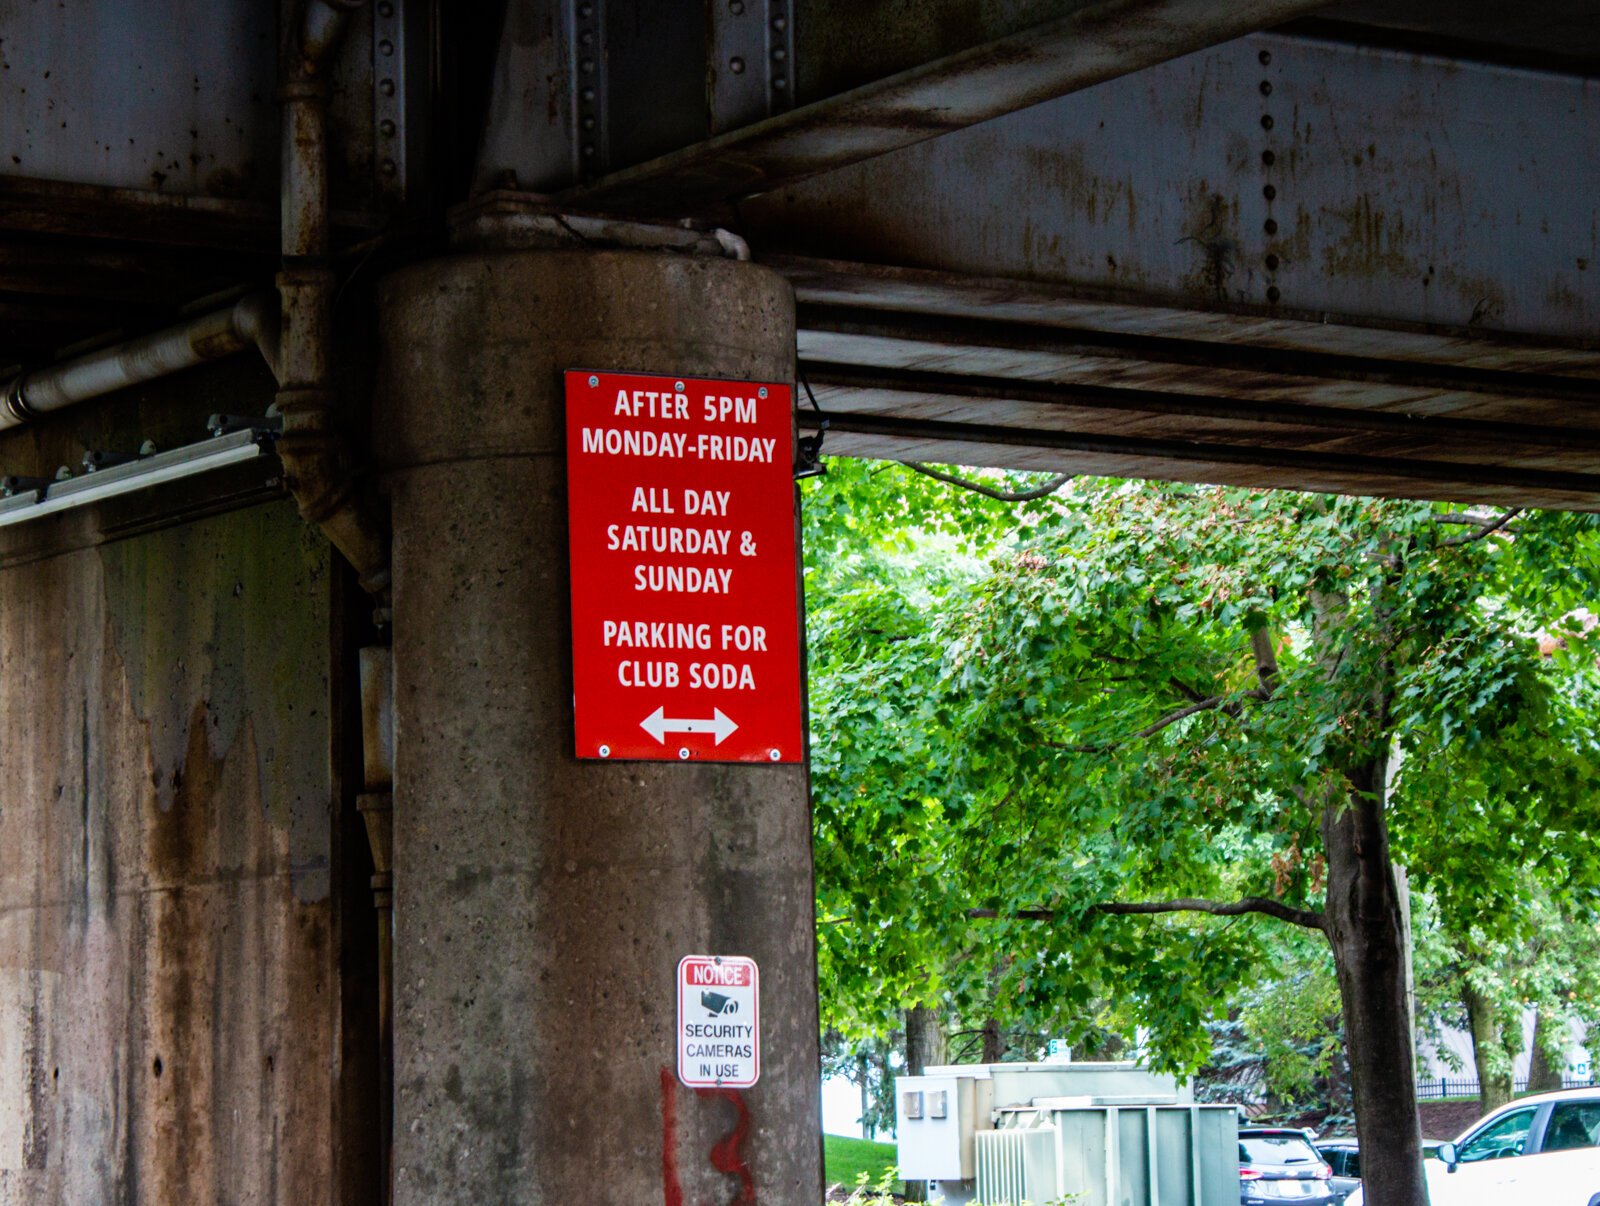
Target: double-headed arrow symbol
(658,724)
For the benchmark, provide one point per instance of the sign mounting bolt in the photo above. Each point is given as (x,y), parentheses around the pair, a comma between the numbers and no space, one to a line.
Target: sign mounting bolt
(762,392)
(605,751)
(593,381)
(679,387)
(683,751)
(774,755)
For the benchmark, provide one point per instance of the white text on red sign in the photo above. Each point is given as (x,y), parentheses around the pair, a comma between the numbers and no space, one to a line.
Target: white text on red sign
(683,568)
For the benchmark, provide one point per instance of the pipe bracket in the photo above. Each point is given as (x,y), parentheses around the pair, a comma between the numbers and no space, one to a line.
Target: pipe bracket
(16,402)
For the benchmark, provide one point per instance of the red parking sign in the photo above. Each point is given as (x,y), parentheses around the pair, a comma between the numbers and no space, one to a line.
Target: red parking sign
(685,602)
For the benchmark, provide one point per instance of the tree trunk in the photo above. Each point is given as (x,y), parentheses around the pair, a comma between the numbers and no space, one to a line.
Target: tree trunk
(885,1084)
(1489,1050)
(869,1127)
(925,1040)
(925,1047)
(994,1042)
(1544,1073)
(1363,924)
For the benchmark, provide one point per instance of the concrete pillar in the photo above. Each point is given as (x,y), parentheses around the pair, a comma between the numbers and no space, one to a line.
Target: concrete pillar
(542,903)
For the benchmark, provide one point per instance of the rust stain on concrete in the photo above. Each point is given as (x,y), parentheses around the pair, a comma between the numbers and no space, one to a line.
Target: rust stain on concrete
(170,993)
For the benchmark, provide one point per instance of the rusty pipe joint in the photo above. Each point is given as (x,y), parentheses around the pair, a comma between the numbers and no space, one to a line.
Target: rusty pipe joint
(318,476)
(377,810)
(256,317)
(321,28)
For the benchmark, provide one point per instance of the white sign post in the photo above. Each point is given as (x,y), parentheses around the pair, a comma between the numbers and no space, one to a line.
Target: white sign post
(719,1021)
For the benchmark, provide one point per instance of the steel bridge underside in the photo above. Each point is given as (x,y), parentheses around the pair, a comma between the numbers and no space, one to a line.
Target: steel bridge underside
(1345,248)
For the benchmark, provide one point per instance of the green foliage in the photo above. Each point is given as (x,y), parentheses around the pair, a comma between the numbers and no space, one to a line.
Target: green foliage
(884,548)
(1537,956)
(1131,693)
(868,1192)
(864,1061)
(1283,1050)
(1295,1023)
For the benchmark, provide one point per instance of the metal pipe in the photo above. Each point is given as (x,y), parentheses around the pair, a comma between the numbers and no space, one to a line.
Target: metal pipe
(304,219)
(377,810)
(315,460)
(323,27)
(732,245)
(252,321)
(313,453)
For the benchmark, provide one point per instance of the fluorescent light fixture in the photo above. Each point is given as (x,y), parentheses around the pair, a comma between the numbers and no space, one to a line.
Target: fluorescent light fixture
(141,474)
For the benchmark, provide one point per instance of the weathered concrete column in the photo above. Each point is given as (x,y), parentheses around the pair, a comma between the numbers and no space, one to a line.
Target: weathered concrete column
(541,903)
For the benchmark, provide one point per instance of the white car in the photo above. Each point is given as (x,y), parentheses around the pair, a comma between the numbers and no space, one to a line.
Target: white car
(1536,1151)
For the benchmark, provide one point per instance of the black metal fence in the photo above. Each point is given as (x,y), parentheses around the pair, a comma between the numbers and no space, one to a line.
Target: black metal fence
(1433,1090)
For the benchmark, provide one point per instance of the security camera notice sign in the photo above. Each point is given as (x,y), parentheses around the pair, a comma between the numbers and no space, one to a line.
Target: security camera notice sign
(719,1021)
(685,595)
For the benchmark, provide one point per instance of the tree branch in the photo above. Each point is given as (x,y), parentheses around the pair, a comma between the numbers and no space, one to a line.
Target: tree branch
(1487,529)
(1265,905)
(1250,904)
(1050,487)
(1266,658)
(1463,519)
(1227,703)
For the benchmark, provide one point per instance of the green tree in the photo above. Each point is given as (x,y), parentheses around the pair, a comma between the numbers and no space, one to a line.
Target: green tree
(865,1063)
(1530,957)
(1157,703)
(1294,1021)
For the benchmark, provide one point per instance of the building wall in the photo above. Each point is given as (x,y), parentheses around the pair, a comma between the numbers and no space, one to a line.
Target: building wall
(170,1000)
(1447,1054)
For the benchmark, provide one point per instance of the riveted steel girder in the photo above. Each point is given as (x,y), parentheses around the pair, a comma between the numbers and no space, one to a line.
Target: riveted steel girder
(1090,45)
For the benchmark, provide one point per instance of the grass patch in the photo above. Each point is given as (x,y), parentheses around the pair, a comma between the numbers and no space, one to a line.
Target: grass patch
(845,1159)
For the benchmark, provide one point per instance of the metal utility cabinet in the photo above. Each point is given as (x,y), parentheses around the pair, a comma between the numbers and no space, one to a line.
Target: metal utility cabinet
(1093,1134)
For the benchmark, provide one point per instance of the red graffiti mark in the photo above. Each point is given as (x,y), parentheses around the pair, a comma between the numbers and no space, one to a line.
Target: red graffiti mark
(728,1154)
(671,1188)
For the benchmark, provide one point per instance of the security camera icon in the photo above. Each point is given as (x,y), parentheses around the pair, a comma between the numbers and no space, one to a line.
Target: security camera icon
(718,1005)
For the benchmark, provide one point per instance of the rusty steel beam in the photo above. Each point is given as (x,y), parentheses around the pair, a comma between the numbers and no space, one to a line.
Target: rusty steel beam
(1272,177)
(1092,45)
(1470,441)
(943,332)
(900,436)
(898,291)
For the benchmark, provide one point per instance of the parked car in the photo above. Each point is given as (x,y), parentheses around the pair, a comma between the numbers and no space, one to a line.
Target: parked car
(1278,1164)
(1344,1158)
(1542,1150)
